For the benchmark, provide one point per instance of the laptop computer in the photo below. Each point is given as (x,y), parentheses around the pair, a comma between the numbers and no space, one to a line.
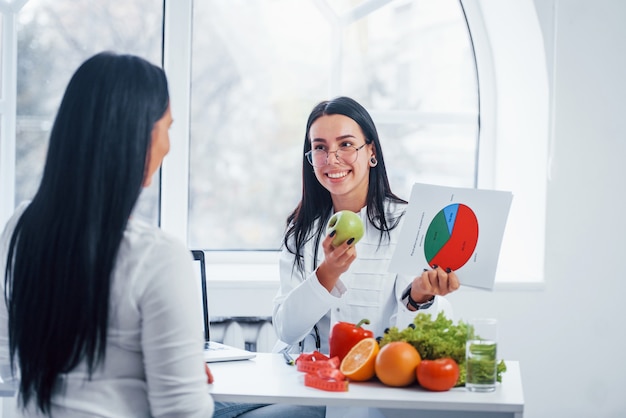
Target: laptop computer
(213,350)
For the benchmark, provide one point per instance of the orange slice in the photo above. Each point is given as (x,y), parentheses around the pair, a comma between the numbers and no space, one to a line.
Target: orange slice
(359,363)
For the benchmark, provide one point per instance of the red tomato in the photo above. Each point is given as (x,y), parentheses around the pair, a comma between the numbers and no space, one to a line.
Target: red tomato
(438,375)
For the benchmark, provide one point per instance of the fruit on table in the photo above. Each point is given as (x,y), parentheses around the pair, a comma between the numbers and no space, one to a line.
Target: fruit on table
(344,335)
(396,364)
(359,363)
(347,224)
(438,375)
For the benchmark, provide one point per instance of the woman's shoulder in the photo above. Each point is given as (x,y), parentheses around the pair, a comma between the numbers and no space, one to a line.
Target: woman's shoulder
(149,258)
(151,241)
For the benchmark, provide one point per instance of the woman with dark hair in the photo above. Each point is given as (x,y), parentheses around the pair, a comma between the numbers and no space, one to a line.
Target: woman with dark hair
(343,169)
(95,318)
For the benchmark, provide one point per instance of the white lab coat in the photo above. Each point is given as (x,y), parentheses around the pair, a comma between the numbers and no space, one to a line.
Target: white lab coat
(367,290)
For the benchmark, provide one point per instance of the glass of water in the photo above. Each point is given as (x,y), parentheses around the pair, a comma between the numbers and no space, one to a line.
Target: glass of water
(481,355)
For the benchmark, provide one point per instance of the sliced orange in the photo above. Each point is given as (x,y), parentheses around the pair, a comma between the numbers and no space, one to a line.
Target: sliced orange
(359,363)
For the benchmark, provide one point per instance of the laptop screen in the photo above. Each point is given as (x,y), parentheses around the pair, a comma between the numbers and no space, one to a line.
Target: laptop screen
(213,351)
(198,257)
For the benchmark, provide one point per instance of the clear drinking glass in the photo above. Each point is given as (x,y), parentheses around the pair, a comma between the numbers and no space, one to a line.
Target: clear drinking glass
(481,355)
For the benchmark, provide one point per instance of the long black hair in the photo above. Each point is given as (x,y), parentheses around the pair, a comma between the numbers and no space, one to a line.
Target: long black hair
(316,202)
(63,249)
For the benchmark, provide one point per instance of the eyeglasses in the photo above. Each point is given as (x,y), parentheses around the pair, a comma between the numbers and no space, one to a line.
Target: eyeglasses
(346,154)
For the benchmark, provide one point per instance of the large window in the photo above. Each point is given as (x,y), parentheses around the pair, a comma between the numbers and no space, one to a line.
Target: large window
(245,74)
(53,38)
(259,67)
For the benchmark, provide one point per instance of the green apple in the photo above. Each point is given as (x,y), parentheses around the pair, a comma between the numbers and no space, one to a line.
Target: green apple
(347,224)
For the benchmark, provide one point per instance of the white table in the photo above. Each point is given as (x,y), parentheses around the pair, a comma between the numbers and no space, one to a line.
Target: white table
(267,379)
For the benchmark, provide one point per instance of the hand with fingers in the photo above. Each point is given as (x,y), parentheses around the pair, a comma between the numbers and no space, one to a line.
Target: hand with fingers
(433,282)
(209,375)
(337,260)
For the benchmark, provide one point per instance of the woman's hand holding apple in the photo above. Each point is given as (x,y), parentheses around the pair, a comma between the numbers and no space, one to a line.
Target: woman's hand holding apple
(344,229)
(337,260)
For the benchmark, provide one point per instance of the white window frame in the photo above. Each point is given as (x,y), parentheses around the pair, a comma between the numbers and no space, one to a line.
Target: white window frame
(8,100)
(174,201)
(515,128)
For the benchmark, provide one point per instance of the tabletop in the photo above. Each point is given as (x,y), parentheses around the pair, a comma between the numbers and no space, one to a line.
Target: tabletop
(268,379)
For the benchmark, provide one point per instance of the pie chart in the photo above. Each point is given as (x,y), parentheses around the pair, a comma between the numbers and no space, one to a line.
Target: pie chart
(451,237)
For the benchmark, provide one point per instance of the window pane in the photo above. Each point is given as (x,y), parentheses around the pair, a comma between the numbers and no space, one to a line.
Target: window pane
(54,38)
(259,67)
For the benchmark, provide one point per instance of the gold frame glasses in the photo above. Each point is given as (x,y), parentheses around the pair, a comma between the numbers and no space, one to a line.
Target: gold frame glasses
(346,154)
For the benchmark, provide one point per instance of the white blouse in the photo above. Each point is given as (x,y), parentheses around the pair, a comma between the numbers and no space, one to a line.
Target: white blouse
(154,364)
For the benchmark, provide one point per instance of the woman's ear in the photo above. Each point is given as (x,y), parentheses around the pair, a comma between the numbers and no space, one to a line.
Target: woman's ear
(372,160)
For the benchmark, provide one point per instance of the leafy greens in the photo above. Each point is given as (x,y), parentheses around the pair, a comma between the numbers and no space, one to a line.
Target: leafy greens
(435,339)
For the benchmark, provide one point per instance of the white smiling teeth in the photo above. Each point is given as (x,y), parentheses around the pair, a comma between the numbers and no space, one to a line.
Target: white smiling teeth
(337,175)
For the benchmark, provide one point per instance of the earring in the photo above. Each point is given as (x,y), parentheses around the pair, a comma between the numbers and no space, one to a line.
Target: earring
(373,161)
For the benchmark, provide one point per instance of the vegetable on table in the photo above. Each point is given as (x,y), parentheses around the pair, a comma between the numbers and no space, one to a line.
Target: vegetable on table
(437,338)
(438,375)
(345,335)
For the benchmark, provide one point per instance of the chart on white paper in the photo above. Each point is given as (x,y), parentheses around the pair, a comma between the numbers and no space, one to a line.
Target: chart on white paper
(453,228)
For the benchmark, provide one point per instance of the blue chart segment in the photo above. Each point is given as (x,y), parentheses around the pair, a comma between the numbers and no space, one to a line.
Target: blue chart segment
(451,237)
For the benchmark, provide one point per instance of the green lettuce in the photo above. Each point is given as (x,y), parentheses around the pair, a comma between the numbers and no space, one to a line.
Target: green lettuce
(435,339)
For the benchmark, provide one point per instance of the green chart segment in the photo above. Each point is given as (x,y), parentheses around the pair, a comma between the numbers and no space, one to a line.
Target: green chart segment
(451,237)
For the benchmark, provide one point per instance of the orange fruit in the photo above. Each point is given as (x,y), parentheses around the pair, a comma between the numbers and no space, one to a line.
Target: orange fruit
(396,364)
(358,364)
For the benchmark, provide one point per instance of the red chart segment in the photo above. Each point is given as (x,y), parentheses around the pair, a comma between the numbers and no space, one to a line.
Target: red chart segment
(451,237)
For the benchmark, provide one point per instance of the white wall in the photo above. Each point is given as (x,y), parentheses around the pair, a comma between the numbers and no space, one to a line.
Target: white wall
(569,336)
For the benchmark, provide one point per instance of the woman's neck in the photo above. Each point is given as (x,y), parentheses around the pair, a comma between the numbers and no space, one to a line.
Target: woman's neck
(347,203)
